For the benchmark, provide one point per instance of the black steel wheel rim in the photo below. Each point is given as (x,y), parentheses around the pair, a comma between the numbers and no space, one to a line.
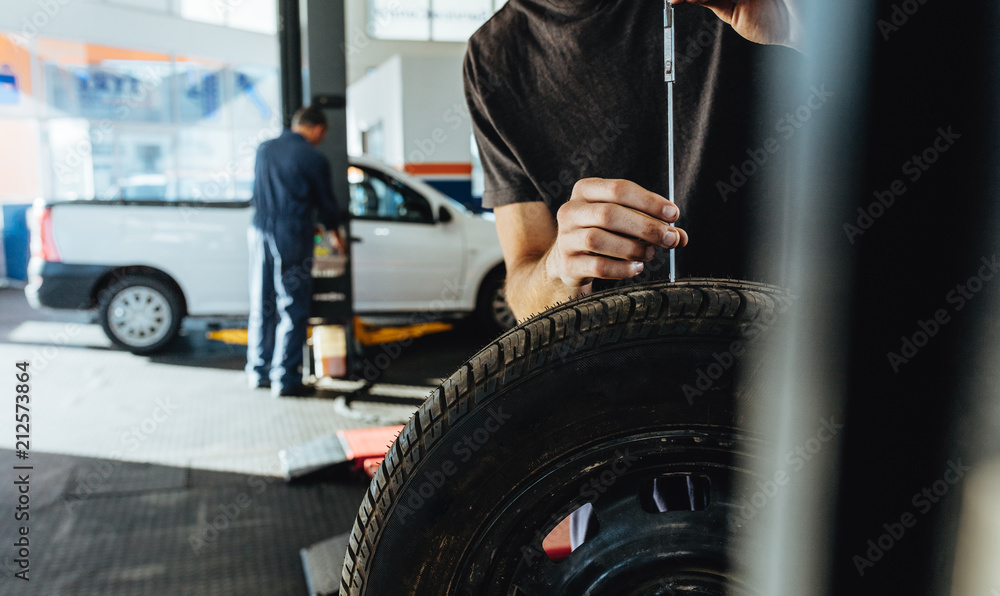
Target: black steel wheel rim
(635,552)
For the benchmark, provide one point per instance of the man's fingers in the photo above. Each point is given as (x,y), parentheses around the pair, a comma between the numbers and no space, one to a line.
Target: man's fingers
(627,193)
(618,219)
(601,242)
(609,229)
(582,269)
(722,8)
(760,21)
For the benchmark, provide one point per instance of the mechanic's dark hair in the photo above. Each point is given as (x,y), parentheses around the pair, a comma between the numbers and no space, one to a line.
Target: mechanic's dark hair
(309,116)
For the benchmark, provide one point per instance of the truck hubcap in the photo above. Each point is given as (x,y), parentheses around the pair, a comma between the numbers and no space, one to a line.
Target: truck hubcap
(140,316)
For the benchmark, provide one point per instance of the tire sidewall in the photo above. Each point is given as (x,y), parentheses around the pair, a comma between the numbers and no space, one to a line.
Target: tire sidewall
(169,295)
(439,489)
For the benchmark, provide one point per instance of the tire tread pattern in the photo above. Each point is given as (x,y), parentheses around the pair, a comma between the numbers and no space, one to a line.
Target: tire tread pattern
(694,306)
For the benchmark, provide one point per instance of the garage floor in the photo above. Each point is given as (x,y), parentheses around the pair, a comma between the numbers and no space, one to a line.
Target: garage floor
(151,529)
(160,475)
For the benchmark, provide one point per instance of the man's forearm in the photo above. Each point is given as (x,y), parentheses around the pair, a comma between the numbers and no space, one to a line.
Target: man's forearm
(530,289)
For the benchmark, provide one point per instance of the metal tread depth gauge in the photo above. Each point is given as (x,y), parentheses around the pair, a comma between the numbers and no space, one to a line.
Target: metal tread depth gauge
(668,76)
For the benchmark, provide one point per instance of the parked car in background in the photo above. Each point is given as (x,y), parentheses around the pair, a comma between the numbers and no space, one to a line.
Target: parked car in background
(145,265)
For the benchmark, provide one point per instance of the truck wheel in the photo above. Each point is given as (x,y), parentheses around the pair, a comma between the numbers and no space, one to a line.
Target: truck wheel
(629,401)
(140,313)
(492,311)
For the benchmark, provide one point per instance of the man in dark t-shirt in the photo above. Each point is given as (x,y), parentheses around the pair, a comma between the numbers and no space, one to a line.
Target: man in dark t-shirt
(569,110)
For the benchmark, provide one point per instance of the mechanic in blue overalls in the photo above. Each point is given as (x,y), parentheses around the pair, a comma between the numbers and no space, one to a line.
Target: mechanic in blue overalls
(292,190)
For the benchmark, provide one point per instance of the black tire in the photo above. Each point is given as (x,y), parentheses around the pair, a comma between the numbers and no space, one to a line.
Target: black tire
(601,393)
(492,312)
(140,313)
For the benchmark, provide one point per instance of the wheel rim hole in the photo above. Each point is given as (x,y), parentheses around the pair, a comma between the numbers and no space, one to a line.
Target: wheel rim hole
(675,492)
(574,529)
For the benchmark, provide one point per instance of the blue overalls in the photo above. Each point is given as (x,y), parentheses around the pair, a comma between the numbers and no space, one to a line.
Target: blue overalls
(292,186)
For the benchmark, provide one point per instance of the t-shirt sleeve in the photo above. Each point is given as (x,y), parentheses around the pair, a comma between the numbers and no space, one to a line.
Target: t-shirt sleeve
(506,182)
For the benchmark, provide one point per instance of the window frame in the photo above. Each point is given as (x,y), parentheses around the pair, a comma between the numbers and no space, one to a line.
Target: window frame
(399,187)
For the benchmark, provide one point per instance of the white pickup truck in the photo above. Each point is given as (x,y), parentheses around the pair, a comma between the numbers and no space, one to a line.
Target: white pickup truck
(145,265)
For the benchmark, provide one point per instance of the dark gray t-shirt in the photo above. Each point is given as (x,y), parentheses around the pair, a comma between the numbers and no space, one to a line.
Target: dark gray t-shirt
(561,90)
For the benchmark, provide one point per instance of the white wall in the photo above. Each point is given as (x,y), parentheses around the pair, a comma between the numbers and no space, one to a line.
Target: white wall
(419,101)
(436,126)
(378,98)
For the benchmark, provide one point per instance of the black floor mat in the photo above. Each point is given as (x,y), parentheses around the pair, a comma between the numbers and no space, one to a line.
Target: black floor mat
(105,527)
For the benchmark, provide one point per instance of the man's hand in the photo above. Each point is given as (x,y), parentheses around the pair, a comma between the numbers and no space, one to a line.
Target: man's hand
(337,241)
(608,230)
(762,21)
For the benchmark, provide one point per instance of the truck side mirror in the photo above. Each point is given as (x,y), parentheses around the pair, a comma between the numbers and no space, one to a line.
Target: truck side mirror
(444,215)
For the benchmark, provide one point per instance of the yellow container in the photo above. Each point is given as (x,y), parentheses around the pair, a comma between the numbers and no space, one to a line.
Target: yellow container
(330,350)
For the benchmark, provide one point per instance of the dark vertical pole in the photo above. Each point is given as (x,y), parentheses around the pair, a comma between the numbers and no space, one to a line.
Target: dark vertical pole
(929,157)
(324,28)
(907,146)
(901,263)
(290,43)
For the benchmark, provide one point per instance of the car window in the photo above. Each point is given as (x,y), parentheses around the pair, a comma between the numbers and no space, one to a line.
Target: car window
(378,197)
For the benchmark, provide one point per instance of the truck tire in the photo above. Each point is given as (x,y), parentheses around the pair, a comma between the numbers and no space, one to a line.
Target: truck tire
(492,311)
(140,313)
(627,400)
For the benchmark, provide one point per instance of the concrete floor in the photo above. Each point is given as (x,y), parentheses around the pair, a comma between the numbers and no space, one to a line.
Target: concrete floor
(137,457)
